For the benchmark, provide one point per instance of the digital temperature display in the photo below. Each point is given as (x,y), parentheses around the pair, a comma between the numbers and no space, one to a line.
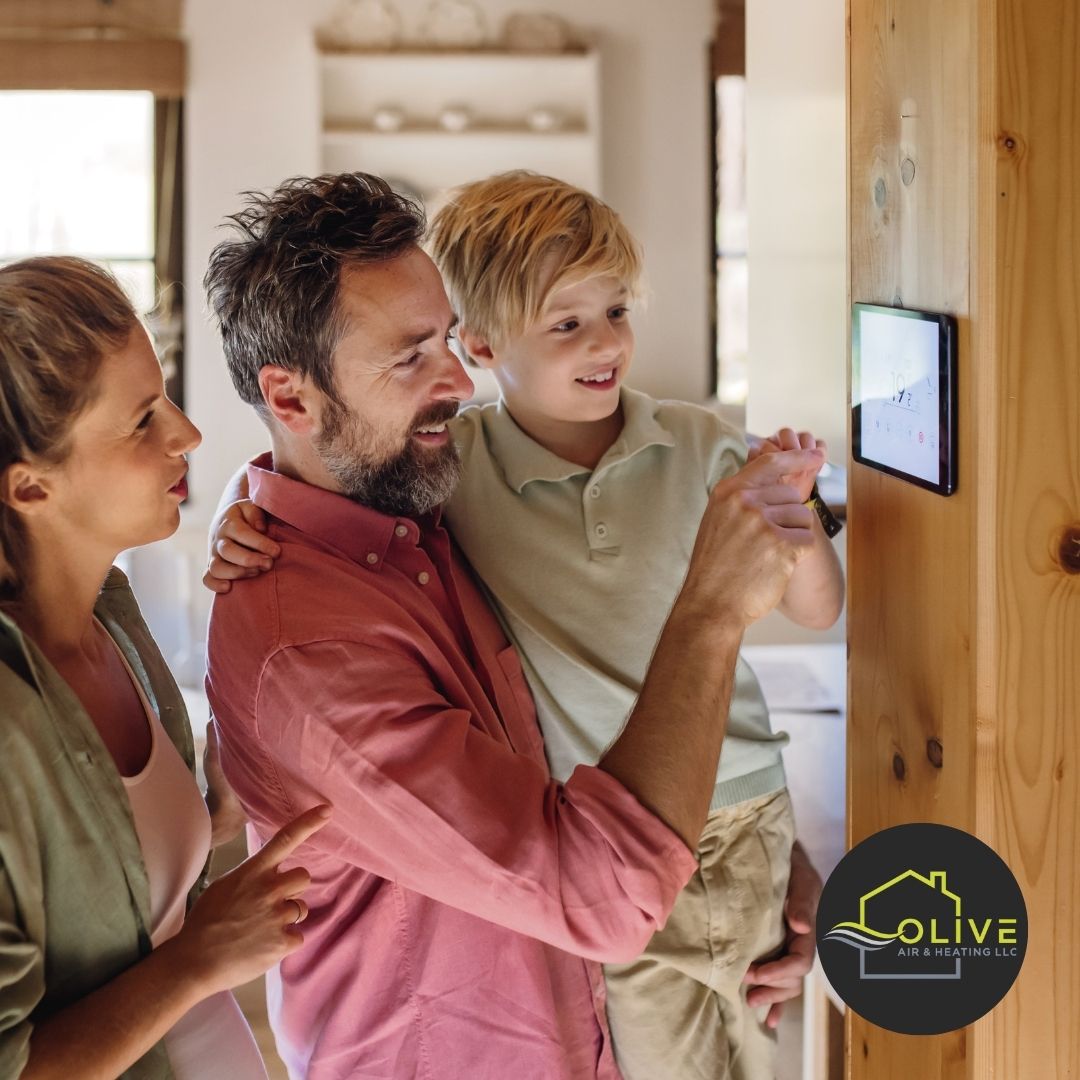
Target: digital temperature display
(902,394)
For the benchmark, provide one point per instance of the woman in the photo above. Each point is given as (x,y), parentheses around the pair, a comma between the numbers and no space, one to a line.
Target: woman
(105,967)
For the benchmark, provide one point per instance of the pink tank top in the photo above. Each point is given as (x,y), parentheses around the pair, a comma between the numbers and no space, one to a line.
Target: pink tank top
(173,827)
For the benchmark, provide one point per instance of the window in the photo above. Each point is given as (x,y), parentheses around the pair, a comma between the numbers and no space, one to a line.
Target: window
(79,180)
(731,231)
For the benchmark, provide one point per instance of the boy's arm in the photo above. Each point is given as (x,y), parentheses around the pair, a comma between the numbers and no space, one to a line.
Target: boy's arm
(815,594)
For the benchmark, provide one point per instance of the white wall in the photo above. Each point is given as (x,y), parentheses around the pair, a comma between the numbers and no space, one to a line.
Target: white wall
(252,120)
(796,195)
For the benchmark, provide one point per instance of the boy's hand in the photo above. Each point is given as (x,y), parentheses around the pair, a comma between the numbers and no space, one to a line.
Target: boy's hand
(775,981)
(239,546)
(787,439)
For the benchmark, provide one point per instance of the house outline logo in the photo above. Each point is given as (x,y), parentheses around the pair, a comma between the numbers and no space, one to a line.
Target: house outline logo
(861,936)
(937,920)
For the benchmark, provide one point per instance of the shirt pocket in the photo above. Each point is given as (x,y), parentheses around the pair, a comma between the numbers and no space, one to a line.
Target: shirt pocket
(516,706)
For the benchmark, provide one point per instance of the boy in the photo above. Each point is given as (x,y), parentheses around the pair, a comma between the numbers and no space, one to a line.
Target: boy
(578,507)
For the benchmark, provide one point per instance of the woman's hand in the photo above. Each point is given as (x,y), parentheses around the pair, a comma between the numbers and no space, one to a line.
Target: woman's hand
(239,546)
(245,922)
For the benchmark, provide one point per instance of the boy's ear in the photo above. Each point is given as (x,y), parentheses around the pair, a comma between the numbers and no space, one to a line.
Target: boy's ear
(290,397)
(24,488)
(478,349)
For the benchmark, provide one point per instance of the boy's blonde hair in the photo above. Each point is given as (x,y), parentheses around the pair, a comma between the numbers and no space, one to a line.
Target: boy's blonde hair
(504,244)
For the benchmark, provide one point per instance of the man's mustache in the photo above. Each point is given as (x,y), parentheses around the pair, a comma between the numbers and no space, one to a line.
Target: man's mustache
(439,413)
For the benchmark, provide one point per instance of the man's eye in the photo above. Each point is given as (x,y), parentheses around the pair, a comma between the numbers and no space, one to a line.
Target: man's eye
(411,360)
(451,334)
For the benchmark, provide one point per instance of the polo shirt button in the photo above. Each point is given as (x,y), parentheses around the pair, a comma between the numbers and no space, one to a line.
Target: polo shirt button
(401,530)
(601,530)
(423,577)
(594,491)
(372,558)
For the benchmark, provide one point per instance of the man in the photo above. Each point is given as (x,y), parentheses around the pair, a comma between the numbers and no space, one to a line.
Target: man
(460,898)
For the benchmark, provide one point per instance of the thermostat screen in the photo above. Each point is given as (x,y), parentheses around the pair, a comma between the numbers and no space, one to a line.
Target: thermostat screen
(899,390)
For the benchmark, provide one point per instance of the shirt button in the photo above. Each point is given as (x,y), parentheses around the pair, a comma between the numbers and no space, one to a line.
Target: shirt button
(601,530)
(594,491)
(372,558)
(401,530)
(423,577)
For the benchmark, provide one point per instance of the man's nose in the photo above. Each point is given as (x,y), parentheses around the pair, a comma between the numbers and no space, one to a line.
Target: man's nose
(453,383)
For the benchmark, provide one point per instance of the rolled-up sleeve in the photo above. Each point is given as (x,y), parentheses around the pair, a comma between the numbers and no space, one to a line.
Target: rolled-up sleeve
(425,797)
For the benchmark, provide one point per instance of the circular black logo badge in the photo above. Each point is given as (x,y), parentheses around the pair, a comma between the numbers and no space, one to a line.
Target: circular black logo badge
(922,929)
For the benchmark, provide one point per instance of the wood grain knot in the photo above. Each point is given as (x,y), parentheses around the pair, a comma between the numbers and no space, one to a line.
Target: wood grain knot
(898,767)
(1069,549)
(1008,142)
(881,192)
(934,752)
(907,171)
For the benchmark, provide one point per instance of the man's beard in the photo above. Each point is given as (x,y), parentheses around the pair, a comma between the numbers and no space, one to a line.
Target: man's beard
(409,483)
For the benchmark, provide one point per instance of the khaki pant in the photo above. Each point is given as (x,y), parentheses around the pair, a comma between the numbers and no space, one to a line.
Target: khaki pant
(679,1011)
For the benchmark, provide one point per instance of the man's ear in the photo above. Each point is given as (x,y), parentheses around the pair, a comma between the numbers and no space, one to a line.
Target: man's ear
(24,487)
(290,398)
(477,347)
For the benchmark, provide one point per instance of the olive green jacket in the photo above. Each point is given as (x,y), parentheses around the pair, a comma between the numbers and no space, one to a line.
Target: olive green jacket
(74,898)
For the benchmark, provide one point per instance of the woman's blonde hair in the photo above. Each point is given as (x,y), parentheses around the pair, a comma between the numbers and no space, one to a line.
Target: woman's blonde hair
(59,317)
(504,244)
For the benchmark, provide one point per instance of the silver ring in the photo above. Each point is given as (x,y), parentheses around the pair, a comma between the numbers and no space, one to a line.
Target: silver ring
(299,909)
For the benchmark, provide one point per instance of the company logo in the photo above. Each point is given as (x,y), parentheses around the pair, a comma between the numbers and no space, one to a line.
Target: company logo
(922,929)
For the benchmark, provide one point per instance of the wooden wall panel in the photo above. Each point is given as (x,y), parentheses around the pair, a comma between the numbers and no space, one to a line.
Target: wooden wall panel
(964,613)
(150,17)
(155,64)
(1030,786)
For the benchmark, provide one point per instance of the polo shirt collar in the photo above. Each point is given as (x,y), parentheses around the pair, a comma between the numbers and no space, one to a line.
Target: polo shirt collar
(524,460)
(362,534)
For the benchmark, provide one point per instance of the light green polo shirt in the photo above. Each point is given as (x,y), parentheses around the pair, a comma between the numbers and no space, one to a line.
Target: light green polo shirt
(584,566)
(74,896)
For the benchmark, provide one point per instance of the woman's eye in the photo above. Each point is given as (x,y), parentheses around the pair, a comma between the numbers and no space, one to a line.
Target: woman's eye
(411,360)
(618,312)
(566,327)
(144,423)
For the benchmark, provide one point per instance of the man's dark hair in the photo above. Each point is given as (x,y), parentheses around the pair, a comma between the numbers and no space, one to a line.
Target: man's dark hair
(274,287)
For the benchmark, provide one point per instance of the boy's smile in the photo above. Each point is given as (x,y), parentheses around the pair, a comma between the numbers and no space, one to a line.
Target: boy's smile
(600,380)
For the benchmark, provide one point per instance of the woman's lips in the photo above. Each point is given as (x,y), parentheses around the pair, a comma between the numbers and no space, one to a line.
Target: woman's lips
(179,489)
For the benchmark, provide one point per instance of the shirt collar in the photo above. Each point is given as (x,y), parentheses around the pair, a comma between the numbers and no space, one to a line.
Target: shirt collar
(362,534)
(524,460)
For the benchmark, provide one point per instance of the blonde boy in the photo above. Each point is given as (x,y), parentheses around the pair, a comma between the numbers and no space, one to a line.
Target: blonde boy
(578,507)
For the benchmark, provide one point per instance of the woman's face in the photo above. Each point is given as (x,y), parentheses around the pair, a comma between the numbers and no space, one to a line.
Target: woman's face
(123,480)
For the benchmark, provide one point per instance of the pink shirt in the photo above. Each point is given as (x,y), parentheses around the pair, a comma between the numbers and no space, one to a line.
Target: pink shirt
(458,887)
